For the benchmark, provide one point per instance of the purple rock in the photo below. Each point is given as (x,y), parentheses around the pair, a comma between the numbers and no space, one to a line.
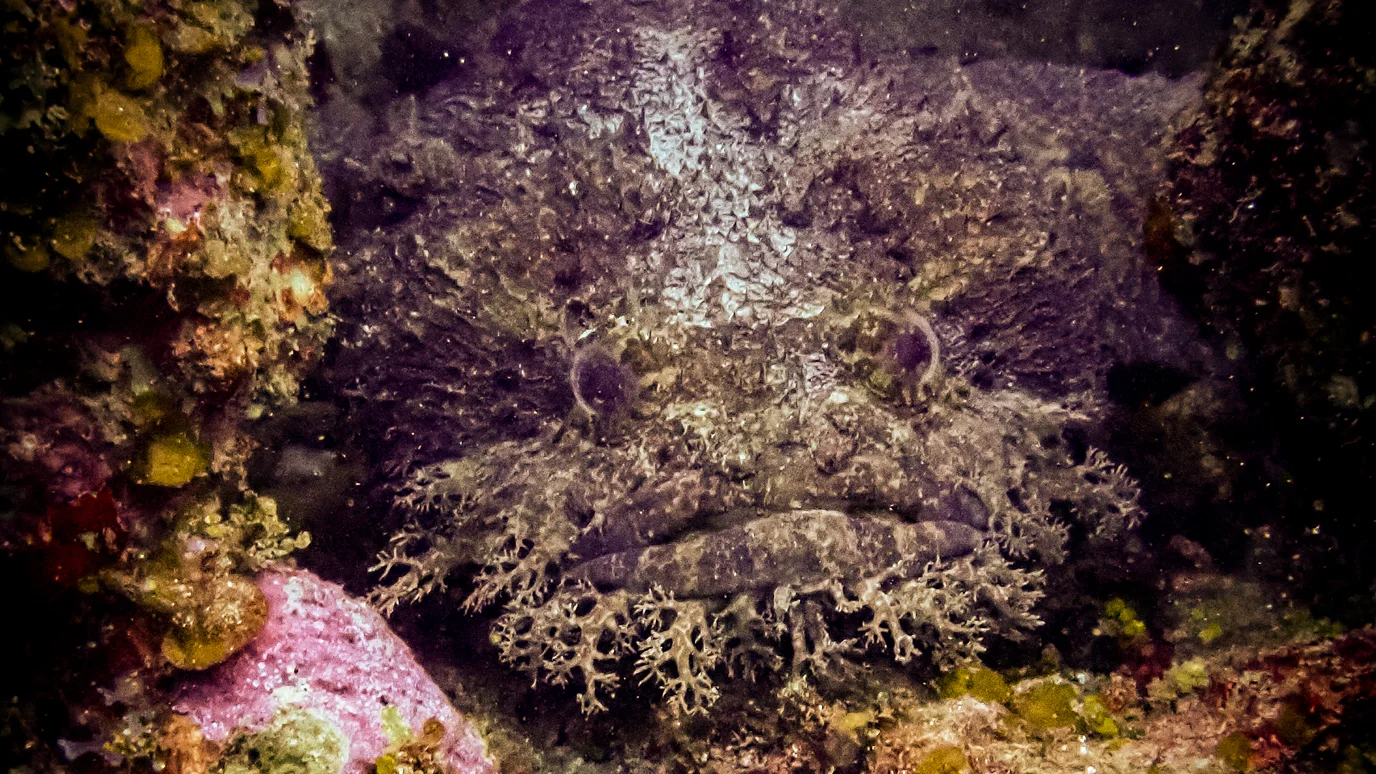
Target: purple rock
(325,652)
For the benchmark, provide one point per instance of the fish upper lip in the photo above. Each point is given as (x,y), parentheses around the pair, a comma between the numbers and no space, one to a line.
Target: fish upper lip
(645,522)
(625,553)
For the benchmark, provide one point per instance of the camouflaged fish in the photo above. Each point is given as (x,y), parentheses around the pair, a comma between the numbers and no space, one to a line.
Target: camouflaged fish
(705,342)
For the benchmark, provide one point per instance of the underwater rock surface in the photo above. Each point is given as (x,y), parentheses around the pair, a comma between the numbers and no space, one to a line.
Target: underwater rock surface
(1264,233)
(1253,710)
(706,342)
(327,660)
(162,286)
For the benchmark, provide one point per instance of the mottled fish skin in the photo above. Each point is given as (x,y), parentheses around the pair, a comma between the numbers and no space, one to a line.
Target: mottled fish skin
(703,334)
(653,515)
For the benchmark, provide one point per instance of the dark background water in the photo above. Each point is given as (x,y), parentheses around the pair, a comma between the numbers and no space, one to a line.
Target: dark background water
(379,50)
(1168,36)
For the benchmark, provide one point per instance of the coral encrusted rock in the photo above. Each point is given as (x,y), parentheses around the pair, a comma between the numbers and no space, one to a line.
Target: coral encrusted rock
(1273,180)
(164,257)
(326,666)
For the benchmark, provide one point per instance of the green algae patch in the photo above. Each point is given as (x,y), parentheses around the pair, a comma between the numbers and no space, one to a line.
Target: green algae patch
(74,235)
(852,724)
(1293,727)
(1210,633)
(72,39)
(394,726)
(1097,719)
(1120,621)
(298,742)
(29,259)
(410,754)
(222,614)
(265,166)
(1181,679)
(1047,706)
(309,222)
(1357,760)
(976,680)
(120,117)
(11,337)
(150,407)
(81,103)
(210,610)
(1235,750)
(173,461)
(209,26)
(254,526)
(143,54)
(943,760)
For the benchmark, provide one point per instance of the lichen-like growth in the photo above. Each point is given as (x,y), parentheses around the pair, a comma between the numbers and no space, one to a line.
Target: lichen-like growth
(296,742)
(581,597)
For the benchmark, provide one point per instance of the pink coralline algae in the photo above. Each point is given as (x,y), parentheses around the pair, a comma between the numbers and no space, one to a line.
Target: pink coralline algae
(327,653)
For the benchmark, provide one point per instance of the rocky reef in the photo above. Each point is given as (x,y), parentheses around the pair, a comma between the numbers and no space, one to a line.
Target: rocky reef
(166,244)
(1272,184)
(165,260)
(1263,233)
(718,345)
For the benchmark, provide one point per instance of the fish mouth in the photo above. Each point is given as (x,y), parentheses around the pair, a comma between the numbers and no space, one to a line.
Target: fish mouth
(795,547)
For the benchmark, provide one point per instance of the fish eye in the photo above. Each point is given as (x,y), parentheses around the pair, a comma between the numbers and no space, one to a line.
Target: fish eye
(893,353)
(912,351)
(601,384)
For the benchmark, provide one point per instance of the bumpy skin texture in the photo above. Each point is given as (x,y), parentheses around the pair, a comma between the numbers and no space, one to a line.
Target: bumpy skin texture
(714,345)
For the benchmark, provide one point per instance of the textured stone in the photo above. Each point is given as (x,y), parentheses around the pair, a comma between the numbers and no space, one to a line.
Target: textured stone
(328,654)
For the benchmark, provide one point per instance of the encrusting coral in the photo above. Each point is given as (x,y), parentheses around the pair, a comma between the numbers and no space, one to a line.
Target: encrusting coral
(182,216)
(165,260)
(685,387)
(328,684)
